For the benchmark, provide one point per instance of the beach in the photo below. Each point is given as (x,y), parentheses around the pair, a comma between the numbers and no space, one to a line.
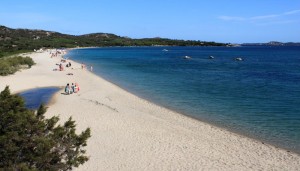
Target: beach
(130,133)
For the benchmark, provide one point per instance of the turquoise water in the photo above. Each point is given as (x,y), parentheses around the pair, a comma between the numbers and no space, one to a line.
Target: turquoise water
(258,97)
(35,97)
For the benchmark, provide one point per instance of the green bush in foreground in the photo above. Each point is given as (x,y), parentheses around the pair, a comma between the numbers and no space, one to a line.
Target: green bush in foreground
(13,64)
(28,141)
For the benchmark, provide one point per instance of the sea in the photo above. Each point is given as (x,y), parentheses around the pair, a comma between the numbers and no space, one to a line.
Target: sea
(257,96)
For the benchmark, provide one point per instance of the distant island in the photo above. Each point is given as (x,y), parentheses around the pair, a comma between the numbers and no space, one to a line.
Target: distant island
(23,40)
(272,43)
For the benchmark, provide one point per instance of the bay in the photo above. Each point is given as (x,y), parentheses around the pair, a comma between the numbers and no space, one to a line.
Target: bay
(258,97)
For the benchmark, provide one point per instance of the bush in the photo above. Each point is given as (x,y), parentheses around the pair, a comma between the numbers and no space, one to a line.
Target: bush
(6,68)
(28,141)
(12,65)
(28,61)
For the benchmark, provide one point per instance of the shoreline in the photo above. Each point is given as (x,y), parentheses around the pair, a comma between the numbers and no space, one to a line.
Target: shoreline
(242,133)
(236,132)
(131,133)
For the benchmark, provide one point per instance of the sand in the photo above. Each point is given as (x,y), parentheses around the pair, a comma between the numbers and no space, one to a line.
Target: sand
(129,133)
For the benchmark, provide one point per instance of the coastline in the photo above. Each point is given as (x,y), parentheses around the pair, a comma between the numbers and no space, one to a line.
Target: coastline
(130,133)
(134,68)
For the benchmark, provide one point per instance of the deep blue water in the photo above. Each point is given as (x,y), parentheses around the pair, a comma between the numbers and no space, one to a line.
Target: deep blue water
(258,97)
(35,97)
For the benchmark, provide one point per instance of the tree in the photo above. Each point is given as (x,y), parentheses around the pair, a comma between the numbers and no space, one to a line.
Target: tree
(29,141)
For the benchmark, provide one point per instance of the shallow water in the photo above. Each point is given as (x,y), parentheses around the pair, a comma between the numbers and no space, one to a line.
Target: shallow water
(35,97)
(258,97)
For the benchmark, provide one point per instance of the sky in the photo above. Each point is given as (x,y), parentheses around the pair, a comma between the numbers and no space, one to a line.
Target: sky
(226,21)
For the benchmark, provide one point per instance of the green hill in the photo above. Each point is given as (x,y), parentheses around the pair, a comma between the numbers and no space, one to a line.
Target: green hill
(22,40)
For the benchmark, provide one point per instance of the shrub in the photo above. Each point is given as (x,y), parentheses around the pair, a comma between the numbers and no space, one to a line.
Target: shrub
(28,141)
(6,68)
(12,65)
(28,61)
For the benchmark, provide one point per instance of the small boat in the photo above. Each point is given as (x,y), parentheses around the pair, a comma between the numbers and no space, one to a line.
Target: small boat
(187,57)
(165,50)
(238,59)
(211,57)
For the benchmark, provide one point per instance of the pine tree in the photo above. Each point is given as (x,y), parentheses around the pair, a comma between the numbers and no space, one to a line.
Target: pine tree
(29,141)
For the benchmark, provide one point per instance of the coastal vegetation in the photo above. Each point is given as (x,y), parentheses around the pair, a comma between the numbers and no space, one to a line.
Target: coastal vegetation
(29,141)
(23,40)
(10,65)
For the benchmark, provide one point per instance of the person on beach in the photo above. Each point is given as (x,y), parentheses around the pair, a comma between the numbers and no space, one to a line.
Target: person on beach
(67,89)
(91,68)
(77,86)
(73,87)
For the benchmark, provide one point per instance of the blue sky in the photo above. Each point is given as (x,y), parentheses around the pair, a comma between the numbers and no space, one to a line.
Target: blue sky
(233,21)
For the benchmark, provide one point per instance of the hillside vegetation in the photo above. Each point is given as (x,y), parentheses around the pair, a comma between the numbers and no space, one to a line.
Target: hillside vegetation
(23,40)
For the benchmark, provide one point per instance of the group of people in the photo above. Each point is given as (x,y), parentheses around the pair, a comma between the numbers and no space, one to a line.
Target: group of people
(57,52)
(61,66)
(84,67)
(74,88)
(69,64)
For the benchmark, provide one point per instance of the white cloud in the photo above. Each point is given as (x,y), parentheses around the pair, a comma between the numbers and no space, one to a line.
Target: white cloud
(292,12)
(264,17)
(257,18)
(278,22)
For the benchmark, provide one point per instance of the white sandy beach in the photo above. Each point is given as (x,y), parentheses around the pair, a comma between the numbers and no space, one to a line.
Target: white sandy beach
(129,133)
